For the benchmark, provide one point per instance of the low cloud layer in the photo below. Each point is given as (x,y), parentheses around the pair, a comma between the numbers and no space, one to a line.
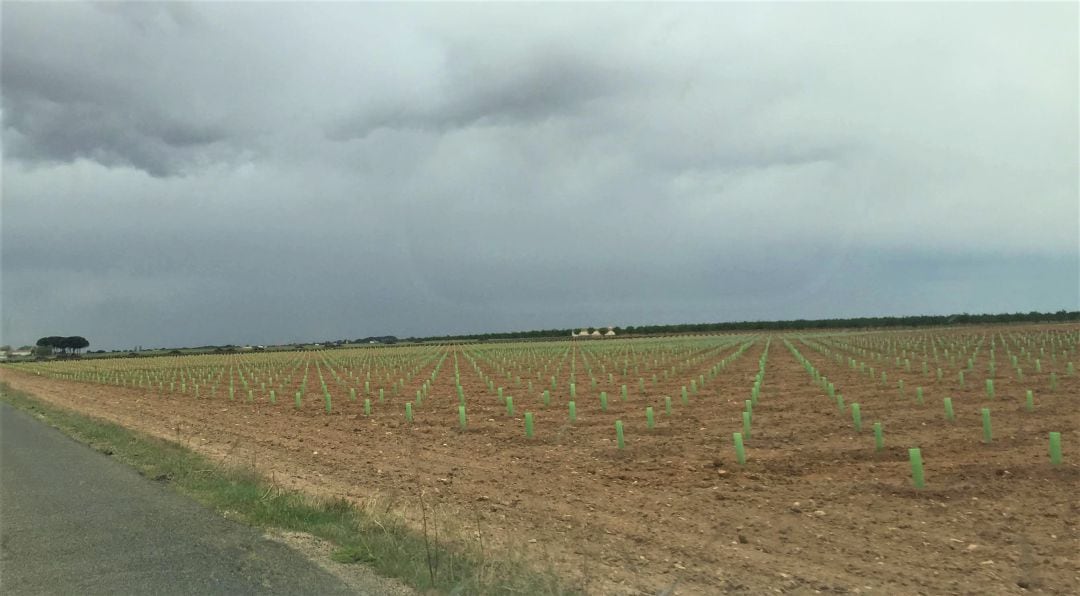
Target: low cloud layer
(182,174)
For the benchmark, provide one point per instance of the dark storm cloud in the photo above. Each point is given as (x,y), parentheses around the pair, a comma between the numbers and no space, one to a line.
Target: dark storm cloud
(72,95)
(549,84)
(44,130)
(184,174)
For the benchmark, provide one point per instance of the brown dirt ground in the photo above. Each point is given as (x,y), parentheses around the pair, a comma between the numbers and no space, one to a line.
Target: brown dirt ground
(815,510)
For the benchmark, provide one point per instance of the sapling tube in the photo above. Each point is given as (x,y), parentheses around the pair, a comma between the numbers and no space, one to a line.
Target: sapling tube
(856,417)
(461,417)
(650,419)
(367,406)
(988,434)
(740,450)
(408,411)
(879,437)
(528,424)
(915,456)
(573,411)
(1055,448)
(746,424)
(949,414)
(619,434)
(1029,401)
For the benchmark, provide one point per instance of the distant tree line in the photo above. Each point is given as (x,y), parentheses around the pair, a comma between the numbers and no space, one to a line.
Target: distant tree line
(66,345)
(850,323)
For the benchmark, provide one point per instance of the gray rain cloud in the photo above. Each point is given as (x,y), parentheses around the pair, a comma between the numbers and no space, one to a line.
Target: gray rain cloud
(190,174)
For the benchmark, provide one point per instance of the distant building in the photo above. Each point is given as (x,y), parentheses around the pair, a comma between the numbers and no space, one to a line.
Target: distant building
(594,333)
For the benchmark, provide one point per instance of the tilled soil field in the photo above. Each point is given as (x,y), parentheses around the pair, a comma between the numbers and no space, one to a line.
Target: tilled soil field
(816,509)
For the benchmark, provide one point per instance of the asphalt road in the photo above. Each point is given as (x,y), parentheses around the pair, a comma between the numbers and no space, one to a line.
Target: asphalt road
(75,521)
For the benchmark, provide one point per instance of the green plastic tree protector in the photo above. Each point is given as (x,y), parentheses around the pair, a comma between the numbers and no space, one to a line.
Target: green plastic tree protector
(547,397)
(740,450)
(509,405)
(367,406)
(746,424)
(603,400)
(879,437)
(573,411)
(949,414)
(917,478)
(408,411)
(619,434)
(461,417)
(988,434)
(650,419)
(856,417)
(1055,448)
(990,388)
(297,400)
(1029,400)
(667,405)
(528,424)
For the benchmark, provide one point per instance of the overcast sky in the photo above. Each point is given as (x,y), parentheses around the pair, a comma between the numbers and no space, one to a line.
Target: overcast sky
(180,174)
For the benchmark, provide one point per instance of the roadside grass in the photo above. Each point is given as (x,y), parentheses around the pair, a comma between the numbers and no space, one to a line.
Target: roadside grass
(382,543)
